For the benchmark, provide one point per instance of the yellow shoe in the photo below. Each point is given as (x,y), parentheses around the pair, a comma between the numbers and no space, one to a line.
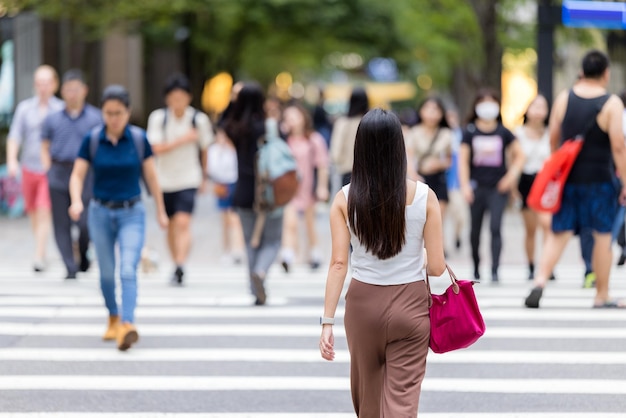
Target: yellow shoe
(111,333)
(126,336)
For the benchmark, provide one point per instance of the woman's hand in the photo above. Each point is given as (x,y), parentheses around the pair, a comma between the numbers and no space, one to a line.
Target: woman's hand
(75,210)
(468,193)
(322,193)
(163,220)
(327,343)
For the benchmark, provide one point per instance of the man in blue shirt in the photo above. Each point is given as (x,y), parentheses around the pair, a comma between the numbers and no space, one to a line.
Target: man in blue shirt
(62,135)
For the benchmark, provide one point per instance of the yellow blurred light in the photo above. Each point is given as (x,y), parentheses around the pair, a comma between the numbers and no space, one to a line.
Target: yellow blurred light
(284,80)
(425,82)
(216,93)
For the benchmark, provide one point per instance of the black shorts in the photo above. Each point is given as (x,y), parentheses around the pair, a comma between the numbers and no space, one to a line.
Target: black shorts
(524,185)
(439,183)
(181,201)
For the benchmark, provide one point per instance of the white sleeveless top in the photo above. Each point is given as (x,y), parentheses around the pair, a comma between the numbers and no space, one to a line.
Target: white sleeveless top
(408,265)
(535,150)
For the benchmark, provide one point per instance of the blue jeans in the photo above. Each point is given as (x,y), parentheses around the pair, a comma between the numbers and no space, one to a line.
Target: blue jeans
(125,227)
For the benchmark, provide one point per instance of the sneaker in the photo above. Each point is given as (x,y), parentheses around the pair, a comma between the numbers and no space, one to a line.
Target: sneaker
(126,336)
(71,275)
(285,266)
(457,244)
(315,264)
(84,264)
(476,274)
(590,280)
(532,301)
(621,260)
(259,289)
(177,277)
(38,267)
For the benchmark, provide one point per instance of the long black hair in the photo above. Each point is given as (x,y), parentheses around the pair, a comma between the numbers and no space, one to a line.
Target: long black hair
(246,112)
(359,102)
(377,197)
(546,121)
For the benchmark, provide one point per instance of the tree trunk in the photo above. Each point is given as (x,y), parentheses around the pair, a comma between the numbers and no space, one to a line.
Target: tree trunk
(487,71)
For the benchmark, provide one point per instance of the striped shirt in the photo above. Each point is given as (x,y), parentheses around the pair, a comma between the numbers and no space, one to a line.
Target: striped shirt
(26,129)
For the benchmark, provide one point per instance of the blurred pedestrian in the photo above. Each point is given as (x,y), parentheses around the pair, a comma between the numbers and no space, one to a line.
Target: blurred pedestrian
(344,134)
(457,207)
(321,121)
(245,125)
(490,162)
(180,136)
(430,148)
(24,139)
(386,313)
(309,149)
(62,135)
(222,166)
(590,198)
(534,139)
(119,155)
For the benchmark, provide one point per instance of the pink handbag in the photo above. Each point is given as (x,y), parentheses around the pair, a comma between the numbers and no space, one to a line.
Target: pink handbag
(455,320)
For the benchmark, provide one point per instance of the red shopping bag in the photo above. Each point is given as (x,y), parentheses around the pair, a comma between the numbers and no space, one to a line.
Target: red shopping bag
(547,189)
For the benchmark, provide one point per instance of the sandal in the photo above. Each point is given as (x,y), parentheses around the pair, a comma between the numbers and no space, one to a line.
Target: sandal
(610,304)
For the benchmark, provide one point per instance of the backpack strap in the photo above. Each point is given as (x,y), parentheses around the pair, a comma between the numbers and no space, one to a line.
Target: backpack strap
(94,141)
(137,134)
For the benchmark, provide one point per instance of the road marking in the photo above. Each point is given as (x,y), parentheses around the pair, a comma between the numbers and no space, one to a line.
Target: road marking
(300,356)
(302,383)
(297,415)
(288,330)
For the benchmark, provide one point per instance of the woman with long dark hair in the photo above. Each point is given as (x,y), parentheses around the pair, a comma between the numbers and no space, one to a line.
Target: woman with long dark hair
(344,132)
(389,221)
(490,163)
(245,124)
(534,139)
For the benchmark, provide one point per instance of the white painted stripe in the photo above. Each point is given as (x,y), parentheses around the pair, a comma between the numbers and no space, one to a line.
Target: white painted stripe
(215,307)
(301,356)
(169,355)
(307,383)
(297,415)
(227,308)
(284,330)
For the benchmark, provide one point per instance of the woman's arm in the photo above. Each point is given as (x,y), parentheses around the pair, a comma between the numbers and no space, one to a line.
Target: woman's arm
(77,181)
(149,174)
(433,237)
(464,173)
(511,178)
(337,271)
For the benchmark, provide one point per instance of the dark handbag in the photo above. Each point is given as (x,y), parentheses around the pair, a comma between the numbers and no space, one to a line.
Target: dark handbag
(455,319)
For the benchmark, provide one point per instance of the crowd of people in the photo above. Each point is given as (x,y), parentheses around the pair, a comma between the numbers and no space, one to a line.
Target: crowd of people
(82,167)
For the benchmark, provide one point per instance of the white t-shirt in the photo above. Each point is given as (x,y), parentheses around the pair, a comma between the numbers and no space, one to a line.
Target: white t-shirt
(405,267)
(180,168)
(535,150)
(222,163)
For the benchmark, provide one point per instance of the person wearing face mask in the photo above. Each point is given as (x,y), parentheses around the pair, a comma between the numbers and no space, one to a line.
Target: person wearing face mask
(490,163)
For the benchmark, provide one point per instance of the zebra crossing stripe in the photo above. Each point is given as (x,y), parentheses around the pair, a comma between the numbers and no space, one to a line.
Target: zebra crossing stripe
(302,383)
(289,330)
(300,356)
(296,415)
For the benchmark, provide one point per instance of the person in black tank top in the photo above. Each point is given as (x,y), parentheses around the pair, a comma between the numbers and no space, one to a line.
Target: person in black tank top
(590,198)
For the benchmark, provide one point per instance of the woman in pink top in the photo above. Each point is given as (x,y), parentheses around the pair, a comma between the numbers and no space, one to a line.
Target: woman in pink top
(311,154)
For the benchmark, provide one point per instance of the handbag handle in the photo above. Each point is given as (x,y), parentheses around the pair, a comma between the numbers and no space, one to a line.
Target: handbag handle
(453,279)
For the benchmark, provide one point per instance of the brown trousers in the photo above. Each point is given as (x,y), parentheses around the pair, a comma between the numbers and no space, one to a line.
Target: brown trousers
(388,329)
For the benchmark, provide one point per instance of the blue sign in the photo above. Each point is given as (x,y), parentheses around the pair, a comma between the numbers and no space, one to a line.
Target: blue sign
(383,69)
(594,14)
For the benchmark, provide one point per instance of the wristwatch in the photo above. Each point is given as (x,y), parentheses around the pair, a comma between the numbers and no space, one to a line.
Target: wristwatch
(327,321)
